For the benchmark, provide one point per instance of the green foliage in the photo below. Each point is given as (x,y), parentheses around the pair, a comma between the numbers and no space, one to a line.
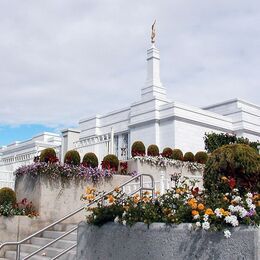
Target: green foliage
(234,165)
(138,149)
(48,155)
(153,150)
(177,154)
(90,160)
(189,157)
(110,161)
(201,157)
(213,141)
(167,152)
(72,157)
(7,196)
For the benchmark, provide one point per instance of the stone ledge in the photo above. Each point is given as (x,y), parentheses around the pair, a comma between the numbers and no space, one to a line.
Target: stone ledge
(160,241)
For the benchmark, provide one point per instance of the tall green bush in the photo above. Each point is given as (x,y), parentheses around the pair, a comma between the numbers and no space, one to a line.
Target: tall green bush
(201,157)
(167,152)
(138,149)
(7,196)
(188,157)
(153,150)
(110,161)
(234,165)
(48,155)
(177,154)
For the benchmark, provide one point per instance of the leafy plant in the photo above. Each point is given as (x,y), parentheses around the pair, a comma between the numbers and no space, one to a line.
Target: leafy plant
(48,155)
(110,161)
(138,149)
(189,157)
(232,165)
(177,154)
(167,152)
(7,196)
(72,157)
(90,160)
(213,141)
(153,150)
(201,157)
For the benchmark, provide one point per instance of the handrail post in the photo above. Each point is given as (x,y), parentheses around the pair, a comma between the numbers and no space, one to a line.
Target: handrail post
(18,249)
(141,186)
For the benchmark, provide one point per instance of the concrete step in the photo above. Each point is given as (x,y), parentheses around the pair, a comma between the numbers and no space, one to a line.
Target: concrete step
(55,234)
(42,241)
(11,255)
(64,227)
(49,252)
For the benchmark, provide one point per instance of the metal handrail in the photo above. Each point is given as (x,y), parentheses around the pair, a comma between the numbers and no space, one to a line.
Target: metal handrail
(19,243)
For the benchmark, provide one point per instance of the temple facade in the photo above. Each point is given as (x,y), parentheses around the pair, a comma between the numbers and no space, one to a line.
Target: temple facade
(153,119)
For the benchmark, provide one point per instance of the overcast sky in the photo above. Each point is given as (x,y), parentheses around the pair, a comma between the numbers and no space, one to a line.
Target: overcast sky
(69,59)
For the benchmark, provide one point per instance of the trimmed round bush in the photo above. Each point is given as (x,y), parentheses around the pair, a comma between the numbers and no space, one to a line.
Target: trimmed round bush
(72,157)
(153,150)
(167,152)
(189,157)
(138,149)
(201,157)
(48,155)
(90,160)
(110,161)
(7,196)
(232,166)
(177,154)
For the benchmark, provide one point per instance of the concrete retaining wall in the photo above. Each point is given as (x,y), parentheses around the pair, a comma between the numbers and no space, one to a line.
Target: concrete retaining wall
(54,200)
(115,241)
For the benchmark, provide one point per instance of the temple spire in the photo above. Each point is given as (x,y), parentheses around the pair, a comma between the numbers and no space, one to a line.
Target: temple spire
(153,86)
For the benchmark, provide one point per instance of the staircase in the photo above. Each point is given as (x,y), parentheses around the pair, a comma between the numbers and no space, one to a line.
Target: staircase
(45,238)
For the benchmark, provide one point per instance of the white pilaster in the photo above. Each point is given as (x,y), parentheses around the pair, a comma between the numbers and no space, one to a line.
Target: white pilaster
(153,86)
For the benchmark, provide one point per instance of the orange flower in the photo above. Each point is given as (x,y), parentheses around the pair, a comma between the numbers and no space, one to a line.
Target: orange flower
(90,197)
(117,189)
(146,199)
(201,206)
(194,212)
(89,190)
(178,191)
(209,212)
(225,179)
(111,199)
(192,201)
(225,198)
(194,205)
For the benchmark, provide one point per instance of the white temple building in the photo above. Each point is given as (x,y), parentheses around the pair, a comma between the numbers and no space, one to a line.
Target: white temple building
(153,119)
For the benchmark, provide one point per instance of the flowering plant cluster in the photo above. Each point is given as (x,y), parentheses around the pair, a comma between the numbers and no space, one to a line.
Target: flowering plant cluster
(55,171)
(23,208)
(164,161)
(184,203)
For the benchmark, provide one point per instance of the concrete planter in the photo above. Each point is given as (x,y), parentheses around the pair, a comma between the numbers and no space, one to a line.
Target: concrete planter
(16,228)
(54,200)
(115,241)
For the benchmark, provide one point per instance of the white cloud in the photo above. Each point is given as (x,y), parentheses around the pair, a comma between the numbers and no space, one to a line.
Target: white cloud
(64,60)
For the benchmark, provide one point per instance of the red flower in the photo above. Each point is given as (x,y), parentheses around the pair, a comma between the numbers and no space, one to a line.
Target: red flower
(232,183)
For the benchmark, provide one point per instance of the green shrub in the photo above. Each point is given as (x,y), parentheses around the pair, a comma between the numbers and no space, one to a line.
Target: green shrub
(234,165)
(167,152)
(201,157)
(110,161)
(48,155)
(7,196)
(153,150)
(90,160)
(213,141)
(189,157)
(72,157)
(177,154)
(138,149)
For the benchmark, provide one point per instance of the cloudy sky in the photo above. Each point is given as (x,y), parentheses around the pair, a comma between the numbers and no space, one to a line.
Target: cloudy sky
(63,60)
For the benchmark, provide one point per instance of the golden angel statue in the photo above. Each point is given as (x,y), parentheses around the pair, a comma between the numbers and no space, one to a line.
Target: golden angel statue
(153,32)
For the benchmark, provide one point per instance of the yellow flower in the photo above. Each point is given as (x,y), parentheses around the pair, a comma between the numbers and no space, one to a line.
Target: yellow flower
(192,201)
(209,212)
(194,205)
(225,179)
(110,198)
(201,206)
(89,197)
(146,199)
(146,193)
(225,198)
(178,191)
(194,212)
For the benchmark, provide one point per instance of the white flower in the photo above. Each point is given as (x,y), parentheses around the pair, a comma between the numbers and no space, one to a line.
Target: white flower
(176,196)
(116,220)
(205,225)
(218,213)
(249,195)
(249,202)
(190,226)
(198,224)
(124,222)
(252,207)
(237,199)
(232,220)
(206,217)
(227,233)
(124,214)
(235,190)
(231,208)
(196,216)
